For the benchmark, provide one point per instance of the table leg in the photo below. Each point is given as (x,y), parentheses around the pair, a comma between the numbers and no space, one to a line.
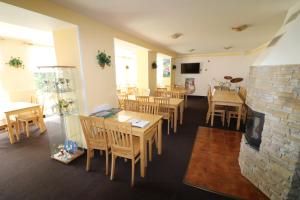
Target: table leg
(212,114)
(239,117)
(10,129)
(159,138)
(142,155)
(175,119)
(181,112)
(42,125)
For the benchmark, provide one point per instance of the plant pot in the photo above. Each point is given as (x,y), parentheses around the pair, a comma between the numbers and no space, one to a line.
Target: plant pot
(102,65)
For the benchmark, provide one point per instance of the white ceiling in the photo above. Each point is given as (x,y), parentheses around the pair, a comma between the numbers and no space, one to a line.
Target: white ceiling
(206,24)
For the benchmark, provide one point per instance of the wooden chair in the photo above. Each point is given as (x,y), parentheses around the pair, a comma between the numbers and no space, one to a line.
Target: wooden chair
(132,90)
(95,137)
(142,98)
(3,125)
(232,112)
(25,119)
(164,110)
(219,110)
(150,108)
(123,144)
(131,105)
(144,92)
(178,87)
(161,89)
(121,100)
(160,93)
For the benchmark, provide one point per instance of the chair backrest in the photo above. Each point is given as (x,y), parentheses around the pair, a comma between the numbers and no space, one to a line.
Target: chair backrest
(150,108)
(132,90)
(120,134)
(131,105)
(177,94)
(121,100)
(144,92)
(142,98)
(179,87)
(243,93)
(161,89)
(161,93)
(94,132)
(163,103)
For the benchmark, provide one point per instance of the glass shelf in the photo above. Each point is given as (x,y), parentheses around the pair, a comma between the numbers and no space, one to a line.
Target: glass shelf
(57,87)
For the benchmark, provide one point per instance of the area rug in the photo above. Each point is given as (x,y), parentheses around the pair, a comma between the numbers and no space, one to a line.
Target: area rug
(214,165)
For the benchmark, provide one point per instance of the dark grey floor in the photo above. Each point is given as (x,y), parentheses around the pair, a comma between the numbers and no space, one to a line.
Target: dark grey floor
(27,172)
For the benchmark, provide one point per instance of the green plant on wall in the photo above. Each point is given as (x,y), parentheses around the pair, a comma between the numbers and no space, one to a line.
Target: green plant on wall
(103,59)
(16,62)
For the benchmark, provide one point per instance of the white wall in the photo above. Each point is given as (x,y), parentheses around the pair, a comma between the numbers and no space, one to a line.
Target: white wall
(93,36)
(286,50)
(214,67)
(18,84)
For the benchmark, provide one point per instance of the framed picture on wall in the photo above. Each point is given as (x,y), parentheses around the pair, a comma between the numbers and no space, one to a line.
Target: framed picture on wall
(190,85)
(166,68)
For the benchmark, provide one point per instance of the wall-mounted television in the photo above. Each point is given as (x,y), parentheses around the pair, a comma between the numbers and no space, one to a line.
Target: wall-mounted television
(190,68)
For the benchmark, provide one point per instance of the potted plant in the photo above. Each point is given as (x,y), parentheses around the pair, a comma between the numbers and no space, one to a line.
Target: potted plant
(103,59)
(154,65)
(16,62)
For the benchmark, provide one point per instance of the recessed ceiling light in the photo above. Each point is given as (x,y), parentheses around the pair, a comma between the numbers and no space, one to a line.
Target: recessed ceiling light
(176,35)
(240,28)
(228,47)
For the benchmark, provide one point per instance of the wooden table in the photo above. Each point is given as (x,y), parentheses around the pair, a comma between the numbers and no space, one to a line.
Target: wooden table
(155,121)
(16,108)
(227,98)
(176,104)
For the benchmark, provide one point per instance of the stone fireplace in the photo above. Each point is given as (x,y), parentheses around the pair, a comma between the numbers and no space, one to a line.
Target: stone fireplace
(275,167)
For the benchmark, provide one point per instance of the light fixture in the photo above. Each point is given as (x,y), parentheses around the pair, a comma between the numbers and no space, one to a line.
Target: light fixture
(240,28)
(176,35)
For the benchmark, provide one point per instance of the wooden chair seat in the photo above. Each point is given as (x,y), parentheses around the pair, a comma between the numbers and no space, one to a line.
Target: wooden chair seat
(27,119)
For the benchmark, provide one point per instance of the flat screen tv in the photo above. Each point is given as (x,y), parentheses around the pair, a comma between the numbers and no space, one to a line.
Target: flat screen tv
(190,68)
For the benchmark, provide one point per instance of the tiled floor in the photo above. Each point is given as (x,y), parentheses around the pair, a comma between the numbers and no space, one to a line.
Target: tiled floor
(214,164)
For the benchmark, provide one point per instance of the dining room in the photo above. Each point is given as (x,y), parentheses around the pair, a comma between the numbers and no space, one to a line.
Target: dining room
(115,106)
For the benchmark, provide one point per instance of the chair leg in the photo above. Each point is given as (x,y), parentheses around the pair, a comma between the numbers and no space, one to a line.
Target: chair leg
(228,119)
(223,119)
(132,171)
(88,159)
(168,126)
(207,117)
(106,162)
(113,162)
(150,149)
(27,128)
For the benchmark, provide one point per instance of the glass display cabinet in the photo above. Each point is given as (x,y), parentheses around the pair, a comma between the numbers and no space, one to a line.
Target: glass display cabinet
(56,86)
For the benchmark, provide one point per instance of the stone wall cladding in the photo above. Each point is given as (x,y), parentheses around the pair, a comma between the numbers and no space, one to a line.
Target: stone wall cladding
(275,91)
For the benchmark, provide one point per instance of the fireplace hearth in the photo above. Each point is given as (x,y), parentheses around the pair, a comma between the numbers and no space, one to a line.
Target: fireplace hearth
(273,126)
